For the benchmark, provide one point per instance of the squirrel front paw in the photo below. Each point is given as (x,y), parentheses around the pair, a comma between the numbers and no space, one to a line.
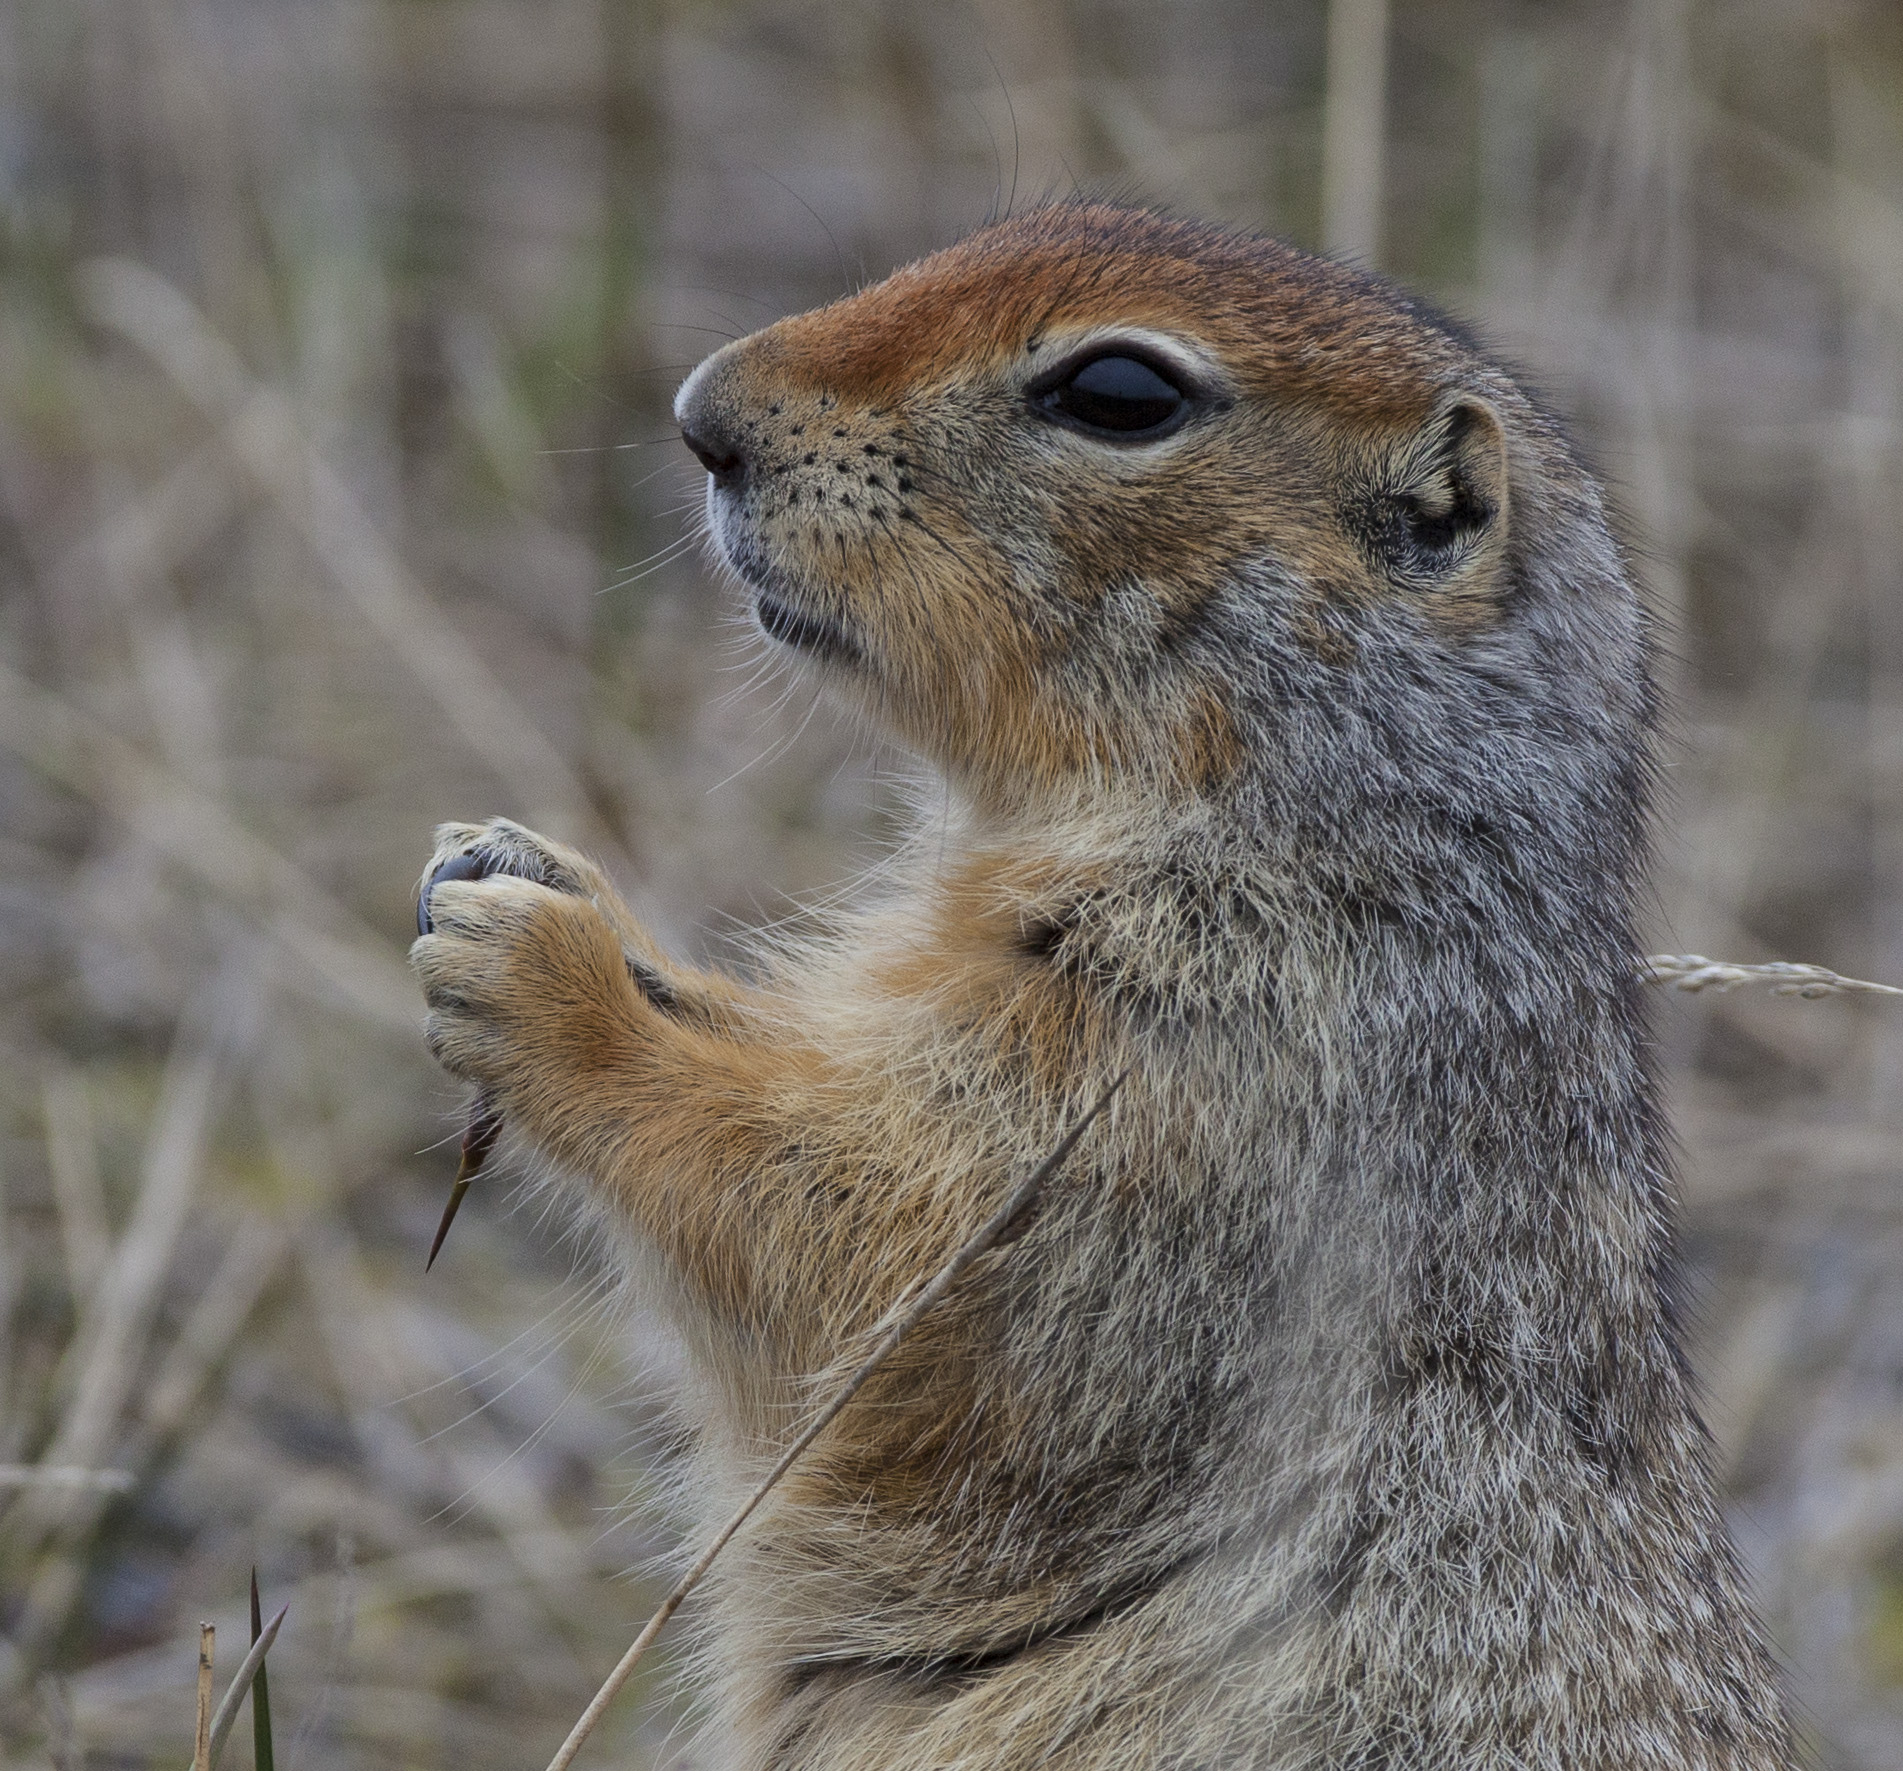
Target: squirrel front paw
(478,851)
(528,990)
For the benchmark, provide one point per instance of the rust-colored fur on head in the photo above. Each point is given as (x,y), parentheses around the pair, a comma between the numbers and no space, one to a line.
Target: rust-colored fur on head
(1016,602)
(1294,704)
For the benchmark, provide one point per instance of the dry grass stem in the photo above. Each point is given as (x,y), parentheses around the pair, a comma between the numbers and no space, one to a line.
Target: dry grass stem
(226,1714)
(201,1742)
(64,1476)
(72,1161)
(62,1744)
(1354,127)
(114,1331)
(264,434)
(202,836)
(1007,1222)
(1693,972)
(251,1258)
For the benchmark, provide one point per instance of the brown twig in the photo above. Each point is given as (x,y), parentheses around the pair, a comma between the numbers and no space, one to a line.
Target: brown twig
(1002,1226)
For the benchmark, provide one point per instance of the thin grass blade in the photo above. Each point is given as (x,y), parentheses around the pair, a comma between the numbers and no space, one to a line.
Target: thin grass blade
(228,1705)
(262,1756)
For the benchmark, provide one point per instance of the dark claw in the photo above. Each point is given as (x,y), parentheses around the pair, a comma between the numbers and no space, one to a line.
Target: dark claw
(476,866)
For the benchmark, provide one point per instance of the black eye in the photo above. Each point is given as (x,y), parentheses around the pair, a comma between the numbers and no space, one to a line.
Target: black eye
(1123,395)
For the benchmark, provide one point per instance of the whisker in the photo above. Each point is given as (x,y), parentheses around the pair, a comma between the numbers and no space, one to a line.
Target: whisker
(758,301)
(779,747)
(611,448)
(653,563)
(655,474)
(686,326)
(489,1399)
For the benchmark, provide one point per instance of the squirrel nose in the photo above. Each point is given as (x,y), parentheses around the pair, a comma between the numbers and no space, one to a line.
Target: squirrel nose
(720,455)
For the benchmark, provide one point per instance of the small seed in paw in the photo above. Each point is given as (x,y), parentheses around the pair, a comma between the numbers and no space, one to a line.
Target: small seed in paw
(476,866)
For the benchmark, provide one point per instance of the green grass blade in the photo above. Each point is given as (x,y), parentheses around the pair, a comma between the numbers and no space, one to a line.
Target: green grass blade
(261,1754)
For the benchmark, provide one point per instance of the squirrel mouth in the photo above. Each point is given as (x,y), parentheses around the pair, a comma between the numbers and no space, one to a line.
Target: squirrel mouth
(803,632)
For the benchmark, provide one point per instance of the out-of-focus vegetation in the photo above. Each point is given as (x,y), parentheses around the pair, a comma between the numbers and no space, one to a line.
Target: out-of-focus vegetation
(337,497)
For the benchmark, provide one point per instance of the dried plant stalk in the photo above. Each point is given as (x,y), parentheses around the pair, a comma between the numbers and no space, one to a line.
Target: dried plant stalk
(263,431)
(1002,1226)
(205,836)
(72,1163)
(251,1667)
(1693,972)
(201,1743)
(65,1476)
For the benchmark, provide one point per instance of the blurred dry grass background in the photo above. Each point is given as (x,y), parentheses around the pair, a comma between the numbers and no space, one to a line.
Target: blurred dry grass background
(337,497)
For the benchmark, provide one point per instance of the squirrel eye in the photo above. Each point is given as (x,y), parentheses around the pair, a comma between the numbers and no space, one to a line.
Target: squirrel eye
(1123,395)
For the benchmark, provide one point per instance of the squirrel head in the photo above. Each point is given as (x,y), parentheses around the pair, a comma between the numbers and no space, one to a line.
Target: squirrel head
(1066,506)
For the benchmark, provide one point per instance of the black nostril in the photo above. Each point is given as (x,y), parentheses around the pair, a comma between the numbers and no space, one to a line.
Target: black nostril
(725,463)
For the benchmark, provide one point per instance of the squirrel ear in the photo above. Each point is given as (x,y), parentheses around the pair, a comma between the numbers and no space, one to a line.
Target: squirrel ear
(1441,520)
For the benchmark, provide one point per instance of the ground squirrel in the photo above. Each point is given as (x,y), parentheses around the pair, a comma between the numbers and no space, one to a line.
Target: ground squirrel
(1292,700)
